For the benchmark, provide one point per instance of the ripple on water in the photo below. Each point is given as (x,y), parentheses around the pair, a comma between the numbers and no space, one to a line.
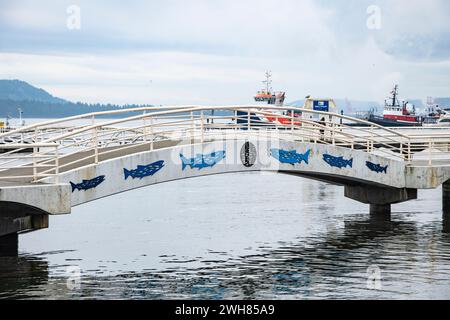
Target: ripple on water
(301,240)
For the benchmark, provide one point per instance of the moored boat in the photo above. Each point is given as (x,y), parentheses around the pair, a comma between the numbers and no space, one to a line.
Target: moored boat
(275,117)
(396,114)
(265,117)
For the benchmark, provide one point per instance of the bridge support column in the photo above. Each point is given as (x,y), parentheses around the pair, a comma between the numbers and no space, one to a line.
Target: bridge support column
(380,199)
(446,197)
(15,221)
(446,207)
(376,209)
(10,227)
(9,245)
(446,223)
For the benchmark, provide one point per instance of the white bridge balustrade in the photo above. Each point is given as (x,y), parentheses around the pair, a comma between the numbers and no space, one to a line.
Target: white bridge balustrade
(49,167)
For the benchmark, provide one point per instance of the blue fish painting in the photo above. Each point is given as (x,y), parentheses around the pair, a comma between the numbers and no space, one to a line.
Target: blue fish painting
(144,171)
(87,184)
(376,167)
(338,162)
(290,157)
(201,161)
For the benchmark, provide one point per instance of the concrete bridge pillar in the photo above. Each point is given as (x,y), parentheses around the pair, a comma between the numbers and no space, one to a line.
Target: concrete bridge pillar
(377,209)
(446,207)
(14,219)
(380,199)
(9,245)
(446,197)
(11,226)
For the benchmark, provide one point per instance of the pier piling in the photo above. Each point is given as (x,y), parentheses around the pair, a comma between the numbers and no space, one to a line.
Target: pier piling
(380,209)
(446,197)
(9,245)
(379,199)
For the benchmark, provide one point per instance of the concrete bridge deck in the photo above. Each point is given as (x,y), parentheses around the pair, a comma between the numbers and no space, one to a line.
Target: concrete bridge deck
(71,165)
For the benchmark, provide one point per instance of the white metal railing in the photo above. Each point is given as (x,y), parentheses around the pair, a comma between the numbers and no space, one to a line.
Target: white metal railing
(46,149)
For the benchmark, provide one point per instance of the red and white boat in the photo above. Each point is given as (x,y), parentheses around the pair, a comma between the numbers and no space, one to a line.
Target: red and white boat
(396,115)
(285,117)
(268,97)
(393,110)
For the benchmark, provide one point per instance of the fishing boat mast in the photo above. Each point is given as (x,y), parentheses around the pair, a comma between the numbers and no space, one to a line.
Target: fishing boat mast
(394,99)
(266,95)
(268,82)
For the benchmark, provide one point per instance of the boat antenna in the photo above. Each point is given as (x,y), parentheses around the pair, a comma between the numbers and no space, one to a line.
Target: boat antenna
(268,81)
(394,95)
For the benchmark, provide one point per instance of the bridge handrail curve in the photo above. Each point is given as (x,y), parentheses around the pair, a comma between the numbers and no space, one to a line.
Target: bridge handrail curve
(193,121)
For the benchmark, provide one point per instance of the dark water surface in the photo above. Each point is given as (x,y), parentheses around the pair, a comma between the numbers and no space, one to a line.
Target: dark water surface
(243,236)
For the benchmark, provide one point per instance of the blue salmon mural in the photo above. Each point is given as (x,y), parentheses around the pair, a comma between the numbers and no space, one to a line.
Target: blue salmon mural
(290,157)
(144,171)
(201,161)
(87,184)
(376,167)
(338,162)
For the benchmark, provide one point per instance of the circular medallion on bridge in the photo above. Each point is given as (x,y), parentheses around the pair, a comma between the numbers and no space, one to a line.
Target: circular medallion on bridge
(248,154)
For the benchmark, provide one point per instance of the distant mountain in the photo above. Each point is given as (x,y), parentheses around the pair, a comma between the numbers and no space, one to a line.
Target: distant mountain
(38,103)
(17,90)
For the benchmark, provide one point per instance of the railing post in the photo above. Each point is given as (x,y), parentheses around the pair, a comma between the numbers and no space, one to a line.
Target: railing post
(248,119)
(409,150)
(96,144)
(35,135)
(430,146)
(292,120)
(333,140)
(57,164)
(152,138)
(35,150)
(202,127)
(401,147)
(192,127)
(371,139)
(145,126)
(235,120)
(35,172)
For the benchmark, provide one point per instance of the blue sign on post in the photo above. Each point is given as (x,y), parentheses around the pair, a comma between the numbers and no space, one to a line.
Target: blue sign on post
(320,105)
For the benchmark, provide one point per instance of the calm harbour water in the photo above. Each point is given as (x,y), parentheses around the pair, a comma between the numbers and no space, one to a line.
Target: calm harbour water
(234,236)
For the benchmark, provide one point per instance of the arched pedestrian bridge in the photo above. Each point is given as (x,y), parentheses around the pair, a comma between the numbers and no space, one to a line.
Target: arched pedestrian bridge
(49,167)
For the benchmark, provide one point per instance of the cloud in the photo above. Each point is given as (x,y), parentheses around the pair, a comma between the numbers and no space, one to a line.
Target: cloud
(249,27)
(216,51)
(416,30)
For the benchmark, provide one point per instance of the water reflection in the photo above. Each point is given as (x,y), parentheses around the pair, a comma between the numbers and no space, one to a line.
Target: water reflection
(330,265)
(19,276)
(446,223)
(298,239)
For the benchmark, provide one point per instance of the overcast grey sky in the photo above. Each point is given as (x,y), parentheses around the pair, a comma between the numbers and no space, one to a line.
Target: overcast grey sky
(216,51)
